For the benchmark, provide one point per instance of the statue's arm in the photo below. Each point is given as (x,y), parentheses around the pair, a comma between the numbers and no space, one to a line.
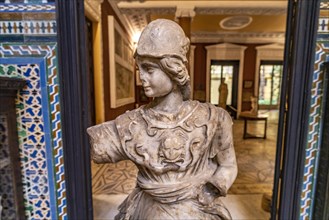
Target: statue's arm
(105,143)
(227,170)
(224,176)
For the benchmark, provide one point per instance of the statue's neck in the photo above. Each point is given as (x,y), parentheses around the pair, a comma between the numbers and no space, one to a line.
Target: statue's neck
(169,103)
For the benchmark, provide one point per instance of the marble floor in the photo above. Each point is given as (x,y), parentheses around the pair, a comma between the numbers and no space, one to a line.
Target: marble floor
(256,157)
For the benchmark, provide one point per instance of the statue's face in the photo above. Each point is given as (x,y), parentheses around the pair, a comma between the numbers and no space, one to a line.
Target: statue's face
(156,83)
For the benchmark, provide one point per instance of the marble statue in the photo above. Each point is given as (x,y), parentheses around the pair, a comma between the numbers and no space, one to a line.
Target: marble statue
(223,93)
(254,105)
(182,148)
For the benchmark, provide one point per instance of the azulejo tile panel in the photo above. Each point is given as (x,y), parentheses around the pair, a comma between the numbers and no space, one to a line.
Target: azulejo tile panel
(32,141)
(28,31)
(315,123)
(39,127)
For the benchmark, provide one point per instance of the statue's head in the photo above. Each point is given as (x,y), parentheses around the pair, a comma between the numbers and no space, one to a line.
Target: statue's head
(165,41)
(163,38)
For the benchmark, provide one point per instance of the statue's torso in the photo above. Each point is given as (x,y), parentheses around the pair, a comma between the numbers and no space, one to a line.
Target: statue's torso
(176,155)
(163,143)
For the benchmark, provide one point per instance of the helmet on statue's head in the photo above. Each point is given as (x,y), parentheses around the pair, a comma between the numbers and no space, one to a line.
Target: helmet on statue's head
(162,38)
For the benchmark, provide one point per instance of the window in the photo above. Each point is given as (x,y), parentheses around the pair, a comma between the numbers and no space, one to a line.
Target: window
(270,76)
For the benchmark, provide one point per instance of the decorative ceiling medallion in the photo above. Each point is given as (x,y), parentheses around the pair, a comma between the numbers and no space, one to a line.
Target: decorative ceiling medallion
(235,22)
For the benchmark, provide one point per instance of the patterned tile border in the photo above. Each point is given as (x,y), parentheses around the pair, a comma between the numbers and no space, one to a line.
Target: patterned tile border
(31,22)
(312,148)
(47,7)
(315,123)
(28,27)
(39,127)
(25,50)
(323,25)
(324,5)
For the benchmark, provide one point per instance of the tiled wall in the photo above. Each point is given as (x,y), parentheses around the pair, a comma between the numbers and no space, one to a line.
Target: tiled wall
(28,49)
(315,122)
(6,178)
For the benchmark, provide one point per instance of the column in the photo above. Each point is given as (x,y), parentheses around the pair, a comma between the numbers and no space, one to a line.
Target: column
(184,15)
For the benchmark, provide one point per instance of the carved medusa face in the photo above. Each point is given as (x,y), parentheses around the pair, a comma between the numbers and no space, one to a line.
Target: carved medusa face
(172,149)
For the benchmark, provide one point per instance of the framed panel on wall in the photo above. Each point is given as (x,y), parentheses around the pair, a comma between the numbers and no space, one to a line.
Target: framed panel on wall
(122,77)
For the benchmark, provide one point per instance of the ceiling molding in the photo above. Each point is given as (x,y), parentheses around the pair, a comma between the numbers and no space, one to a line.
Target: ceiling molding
(93,9)
(138,21)
(203,4)
(206,7)
(137,14)
(225,46)
(126,22)
(140,17)
(250,37)
(271,47)
(166,10)
(186,11)
(239,11)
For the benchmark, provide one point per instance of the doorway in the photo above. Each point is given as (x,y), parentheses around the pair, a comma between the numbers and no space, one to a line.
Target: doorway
(270,77)
(227,70)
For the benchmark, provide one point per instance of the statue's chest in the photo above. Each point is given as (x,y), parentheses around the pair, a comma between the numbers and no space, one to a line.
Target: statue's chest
(165,149)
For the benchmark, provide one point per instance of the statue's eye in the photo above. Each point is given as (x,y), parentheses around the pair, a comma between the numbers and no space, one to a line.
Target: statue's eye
(178,148)
(150,69)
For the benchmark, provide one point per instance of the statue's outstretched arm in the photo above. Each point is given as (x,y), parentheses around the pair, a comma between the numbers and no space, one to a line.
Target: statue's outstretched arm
(105,143)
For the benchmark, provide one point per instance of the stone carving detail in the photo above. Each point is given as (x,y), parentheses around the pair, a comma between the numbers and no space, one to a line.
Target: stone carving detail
(182,148)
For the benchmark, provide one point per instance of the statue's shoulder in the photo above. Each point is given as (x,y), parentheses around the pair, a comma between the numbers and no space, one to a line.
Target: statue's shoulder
(209,109)
(127,117)
(202,112)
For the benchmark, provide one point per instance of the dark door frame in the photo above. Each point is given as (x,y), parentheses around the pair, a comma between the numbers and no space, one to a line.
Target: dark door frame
(90,70)
(298,68)
(74,107)
(302,20)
